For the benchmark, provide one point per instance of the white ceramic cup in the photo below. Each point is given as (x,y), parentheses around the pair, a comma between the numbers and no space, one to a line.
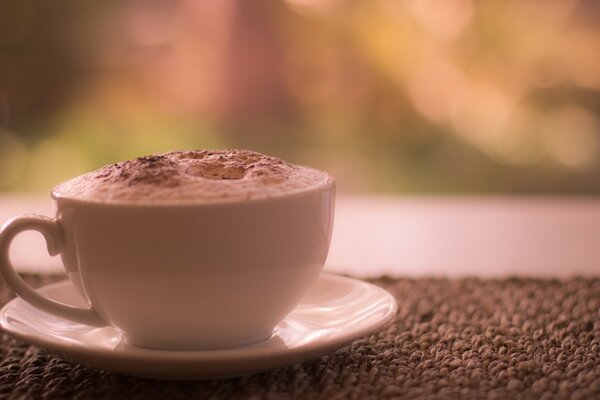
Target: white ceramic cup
(195,276)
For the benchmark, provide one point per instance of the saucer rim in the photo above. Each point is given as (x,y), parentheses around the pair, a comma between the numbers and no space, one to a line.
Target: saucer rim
(243,354)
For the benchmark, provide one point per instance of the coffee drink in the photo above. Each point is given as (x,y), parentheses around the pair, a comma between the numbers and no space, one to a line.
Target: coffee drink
(199,176)
(185,250)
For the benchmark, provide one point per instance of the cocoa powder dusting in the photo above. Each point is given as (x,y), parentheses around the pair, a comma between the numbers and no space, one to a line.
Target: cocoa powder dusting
(156,170)
(193,176)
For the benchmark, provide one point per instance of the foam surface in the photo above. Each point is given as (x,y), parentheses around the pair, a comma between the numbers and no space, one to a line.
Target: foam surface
(204,176)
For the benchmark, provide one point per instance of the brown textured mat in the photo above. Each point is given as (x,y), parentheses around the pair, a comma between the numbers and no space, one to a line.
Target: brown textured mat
(495,339)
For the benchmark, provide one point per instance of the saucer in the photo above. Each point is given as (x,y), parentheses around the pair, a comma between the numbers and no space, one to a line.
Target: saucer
(335,312)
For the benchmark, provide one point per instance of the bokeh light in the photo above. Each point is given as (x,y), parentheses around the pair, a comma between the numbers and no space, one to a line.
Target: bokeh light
(411,96)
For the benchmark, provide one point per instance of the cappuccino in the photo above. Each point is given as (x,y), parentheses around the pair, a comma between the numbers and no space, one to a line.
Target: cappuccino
(167,249)
(198,176)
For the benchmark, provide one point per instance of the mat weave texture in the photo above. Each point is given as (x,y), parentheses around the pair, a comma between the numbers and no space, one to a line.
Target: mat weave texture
(491,339)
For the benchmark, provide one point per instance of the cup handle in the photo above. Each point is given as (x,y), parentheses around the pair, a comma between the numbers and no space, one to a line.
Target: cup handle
(53,234)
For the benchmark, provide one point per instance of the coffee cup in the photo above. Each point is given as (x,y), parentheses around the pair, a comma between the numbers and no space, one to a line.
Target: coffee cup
(183,276)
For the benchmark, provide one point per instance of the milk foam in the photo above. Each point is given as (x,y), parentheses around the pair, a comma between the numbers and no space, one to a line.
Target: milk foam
(199,176)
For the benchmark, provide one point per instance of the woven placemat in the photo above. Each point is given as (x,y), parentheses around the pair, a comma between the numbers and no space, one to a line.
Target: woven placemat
(469,338)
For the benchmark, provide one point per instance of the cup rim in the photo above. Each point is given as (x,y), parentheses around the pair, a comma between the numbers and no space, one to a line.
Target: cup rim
(328,185)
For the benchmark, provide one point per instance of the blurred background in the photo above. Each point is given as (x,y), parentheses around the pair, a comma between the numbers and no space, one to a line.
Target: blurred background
(391,96)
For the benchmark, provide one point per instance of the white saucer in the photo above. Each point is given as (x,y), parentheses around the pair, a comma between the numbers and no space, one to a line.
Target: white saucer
(336,311)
